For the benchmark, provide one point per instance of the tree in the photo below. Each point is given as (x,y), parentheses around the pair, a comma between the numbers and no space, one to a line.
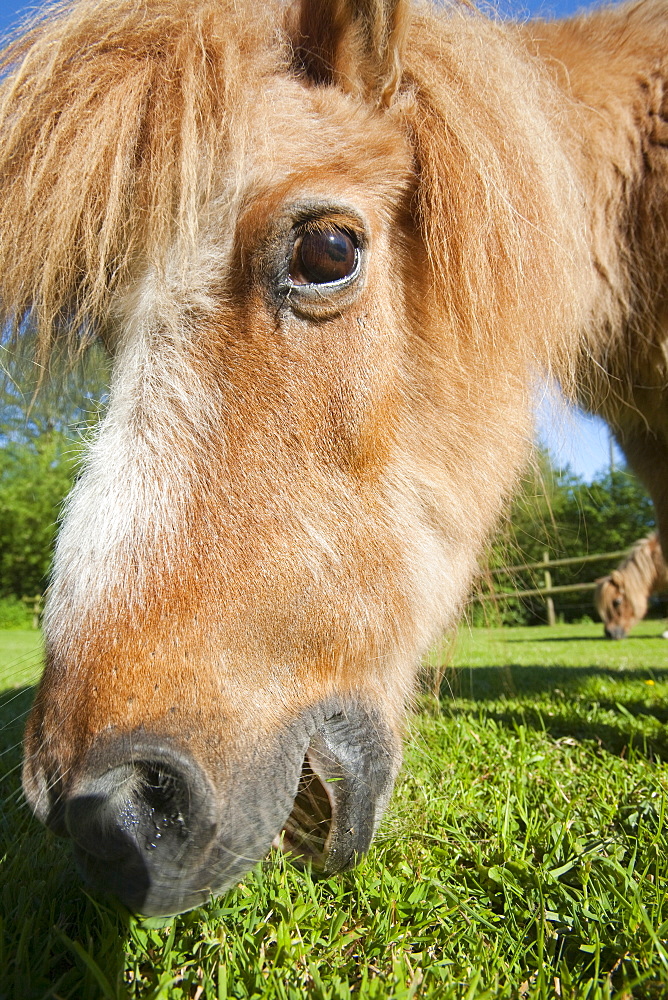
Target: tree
(610,513)
(35,476)
(43,424)
(559,513)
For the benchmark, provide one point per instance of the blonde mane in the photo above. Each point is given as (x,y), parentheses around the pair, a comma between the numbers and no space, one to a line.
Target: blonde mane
(642,572)
(112,123)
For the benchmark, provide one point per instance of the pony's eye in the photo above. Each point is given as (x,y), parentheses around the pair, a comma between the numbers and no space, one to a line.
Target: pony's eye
(321,257)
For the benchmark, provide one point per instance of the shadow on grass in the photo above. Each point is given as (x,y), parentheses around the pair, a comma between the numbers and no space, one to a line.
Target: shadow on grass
(564,702)
(521,680)
(587,638)
(44,911)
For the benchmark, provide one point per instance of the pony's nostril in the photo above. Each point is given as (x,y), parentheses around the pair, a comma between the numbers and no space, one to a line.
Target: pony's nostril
(134,805)
(141,824)
(167,800)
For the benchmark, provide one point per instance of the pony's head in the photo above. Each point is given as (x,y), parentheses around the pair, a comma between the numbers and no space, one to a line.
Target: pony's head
(618,610)
(622,598)
(327,247)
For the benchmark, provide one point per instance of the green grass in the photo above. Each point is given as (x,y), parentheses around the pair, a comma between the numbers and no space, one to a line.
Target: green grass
(525,853)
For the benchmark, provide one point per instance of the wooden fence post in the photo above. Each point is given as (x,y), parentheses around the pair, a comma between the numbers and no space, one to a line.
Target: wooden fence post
(35,605)
(549,603)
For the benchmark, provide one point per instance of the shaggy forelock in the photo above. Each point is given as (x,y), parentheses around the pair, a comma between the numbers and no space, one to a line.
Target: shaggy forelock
(112,120)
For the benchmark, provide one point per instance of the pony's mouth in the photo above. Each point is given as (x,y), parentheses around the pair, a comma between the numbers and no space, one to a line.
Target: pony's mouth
(307,832)
(343,789)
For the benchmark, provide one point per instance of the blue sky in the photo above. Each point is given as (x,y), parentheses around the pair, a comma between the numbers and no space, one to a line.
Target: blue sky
(575,439)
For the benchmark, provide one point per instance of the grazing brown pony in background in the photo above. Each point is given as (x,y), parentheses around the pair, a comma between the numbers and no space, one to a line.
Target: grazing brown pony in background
(622,598)
(330,246)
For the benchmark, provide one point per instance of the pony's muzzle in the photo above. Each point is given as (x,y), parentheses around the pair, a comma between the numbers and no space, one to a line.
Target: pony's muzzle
(615,632)
(157,830)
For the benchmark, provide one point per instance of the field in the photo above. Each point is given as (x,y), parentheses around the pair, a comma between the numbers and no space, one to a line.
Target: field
(525,853)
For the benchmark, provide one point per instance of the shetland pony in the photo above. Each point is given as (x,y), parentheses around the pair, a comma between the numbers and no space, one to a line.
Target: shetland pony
(622,597)
(330,247)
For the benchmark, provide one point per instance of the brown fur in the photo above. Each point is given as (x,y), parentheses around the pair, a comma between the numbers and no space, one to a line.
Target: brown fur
(288,497)
(622,598)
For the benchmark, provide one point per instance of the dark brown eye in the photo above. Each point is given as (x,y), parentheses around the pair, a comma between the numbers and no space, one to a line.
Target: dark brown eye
(321,257)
